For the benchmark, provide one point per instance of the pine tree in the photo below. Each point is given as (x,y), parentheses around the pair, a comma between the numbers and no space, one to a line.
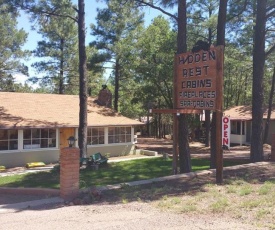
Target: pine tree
(58,48)
(114,26)
(11,43)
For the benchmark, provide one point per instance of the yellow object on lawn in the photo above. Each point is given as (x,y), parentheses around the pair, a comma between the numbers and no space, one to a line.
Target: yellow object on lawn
(35,164)
(2,168)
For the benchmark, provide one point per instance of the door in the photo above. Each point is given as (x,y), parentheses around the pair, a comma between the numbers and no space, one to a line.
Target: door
(64,134)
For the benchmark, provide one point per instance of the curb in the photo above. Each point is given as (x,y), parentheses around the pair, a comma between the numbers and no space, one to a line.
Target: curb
(159,179)
(178,176)
(30,191)
(29,204)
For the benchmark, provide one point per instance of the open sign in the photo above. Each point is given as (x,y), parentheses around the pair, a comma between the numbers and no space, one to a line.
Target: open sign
(226,131)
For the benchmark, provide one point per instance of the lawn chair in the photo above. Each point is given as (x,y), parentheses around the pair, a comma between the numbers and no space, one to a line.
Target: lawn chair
(84,160)
(97,158)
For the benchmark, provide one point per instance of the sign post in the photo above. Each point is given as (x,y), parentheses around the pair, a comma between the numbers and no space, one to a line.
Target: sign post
(219,114)
(199,86)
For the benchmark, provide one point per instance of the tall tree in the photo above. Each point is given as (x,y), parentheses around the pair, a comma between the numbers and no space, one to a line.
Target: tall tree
(114,24)
(82,130)
(58,47)
(270,100)
(217,115)
(153,71)
(237,77)
(183,133)
(256,152)
(202,25)
(11,43)
(154,67)
(254,27)
(180,125)
(30,6)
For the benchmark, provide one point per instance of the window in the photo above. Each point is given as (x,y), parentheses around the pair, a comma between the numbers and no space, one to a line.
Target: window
(8,139)
(119,134)
(95,136)
(236,127)
(39,138)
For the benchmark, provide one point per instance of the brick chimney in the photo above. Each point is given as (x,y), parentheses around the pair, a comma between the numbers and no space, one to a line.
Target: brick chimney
(105,97)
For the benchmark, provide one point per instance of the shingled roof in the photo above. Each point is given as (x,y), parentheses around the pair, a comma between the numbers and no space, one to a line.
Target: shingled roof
(20,110)
(245,113)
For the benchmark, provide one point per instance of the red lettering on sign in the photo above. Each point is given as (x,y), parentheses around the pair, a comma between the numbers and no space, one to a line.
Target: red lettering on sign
(225,120)
(225,141)
(225,134)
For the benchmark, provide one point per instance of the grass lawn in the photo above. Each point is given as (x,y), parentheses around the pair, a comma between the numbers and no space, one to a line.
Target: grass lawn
(112,173)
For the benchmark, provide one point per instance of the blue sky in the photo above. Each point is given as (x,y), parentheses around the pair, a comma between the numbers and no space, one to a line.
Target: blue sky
(90,15)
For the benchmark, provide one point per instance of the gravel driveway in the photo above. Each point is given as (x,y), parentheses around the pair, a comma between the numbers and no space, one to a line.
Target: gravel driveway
(134,215)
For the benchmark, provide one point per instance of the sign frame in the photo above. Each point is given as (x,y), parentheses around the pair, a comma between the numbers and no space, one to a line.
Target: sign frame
(199,79)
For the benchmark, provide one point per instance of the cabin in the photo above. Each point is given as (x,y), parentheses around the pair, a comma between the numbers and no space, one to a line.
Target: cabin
(34,127)
(241,124)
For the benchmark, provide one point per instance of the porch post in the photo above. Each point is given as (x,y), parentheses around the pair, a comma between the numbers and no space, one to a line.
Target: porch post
(273,148)
(241,142)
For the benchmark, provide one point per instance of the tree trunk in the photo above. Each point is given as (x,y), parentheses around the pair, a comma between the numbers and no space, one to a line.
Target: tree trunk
(159,126)
(207,127)
(82,131)
(213,148)
(61,74)
(116,85)
(256,151)
(148,126)
(269,107)
(184,150)
(207,112)
(216,139)
(245,88)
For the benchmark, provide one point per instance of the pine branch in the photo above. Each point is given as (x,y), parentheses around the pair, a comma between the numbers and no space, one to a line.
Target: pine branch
(33,9)
(143,3)
(271,50)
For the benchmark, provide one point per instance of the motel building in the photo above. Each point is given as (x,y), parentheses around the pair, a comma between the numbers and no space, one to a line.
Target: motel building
(34,127)
(237,125)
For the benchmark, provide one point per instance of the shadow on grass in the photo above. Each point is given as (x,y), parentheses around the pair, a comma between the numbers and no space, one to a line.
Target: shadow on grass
(32,180)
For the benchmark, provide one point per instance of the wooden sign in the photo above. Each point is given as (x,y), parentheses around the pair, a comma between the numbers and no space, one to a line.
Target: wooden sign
(196,81)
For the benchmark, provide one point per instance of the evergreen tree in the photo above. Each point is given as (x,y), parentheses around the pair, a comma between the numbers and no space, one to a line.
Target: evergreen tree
(114,26)
(31,6)
(11,43)
(58,47)
(256,152)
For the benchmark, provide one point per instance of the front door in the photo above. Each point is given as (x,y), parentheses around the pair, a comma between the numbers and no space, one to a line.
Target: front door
(64,134)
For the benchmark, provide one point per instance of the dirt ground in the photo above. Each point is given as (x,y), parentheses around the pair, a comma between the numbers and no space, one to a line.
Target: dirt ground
(130,216)
(196,148)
